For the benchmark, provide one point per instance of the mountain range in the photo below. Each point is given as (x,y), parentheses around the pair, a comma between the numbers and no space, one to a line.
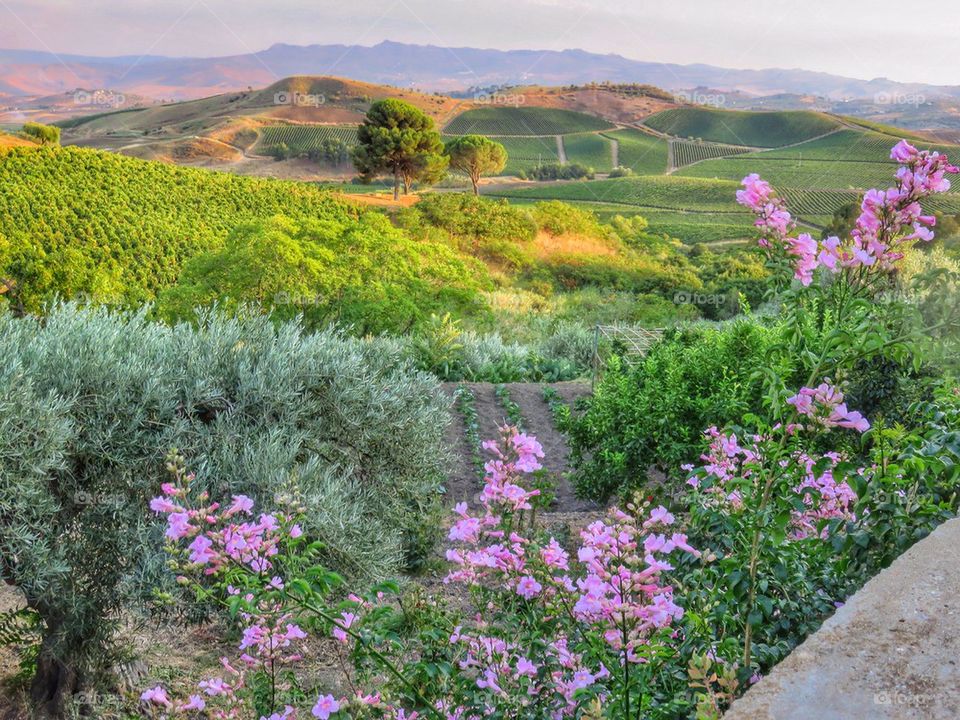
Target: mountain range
(426,67)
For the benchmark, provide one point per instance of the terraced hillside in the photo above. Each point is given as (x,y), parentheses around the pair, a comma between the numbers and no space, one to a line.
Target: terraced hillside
(686,188)
(303,138)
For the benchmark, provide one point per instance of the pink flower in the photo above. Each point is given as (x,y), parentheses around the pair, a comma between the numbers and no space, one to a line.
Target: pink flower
(528,588)
(195,703)
(343,624)
(201,552)
(163,505)
(241,504)
(526,667)
(157,696)
(325,707)
(178,525)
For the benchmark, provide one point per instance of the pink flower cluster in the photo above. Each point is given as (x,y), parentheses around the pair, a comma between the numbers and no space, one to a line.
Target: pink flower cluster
(727,461)
(504,669)
(833,500)
(615,586)
(825,405)
(515,453)
(888,220)
(250,543)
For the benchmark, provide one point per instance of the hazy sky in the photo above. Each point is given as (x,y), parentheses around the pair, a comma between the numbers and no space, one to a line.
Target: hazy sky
(916,41)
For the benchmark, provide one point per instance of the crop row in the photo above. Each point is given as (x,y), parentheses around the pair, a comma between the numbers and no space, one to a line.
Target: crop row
(687,152)
(303,138)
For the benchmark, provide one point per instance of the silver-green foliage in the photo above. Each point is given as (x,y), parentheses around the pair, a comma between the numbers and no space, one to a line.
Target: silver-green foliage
(91,402)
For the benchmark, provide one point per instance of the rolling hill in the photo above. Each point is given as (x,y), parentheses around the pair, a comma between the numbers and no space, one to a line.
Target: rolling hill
(685,159)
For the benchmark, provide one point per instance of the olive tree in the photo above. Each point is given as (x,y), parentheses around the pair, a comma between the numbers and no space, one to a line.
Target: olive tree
(91,403)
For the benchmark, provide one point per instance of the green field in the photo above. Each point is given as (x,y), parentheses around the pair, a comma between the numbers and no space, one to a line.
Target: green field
(663,192)
(303,138)
(523,121)
(589,149)
(641,152)
(524,153)
(806,174)
(733,127)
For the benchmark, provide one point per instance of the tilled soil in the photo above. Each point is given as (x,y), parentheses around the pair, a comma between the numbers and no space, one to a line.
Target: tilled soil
(464,482)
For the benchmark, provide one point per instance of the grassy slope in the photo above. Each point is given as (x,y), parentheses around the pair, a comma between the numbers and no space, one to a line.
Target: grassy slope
(589,149)
(732,127)
(640,151)
(523,121)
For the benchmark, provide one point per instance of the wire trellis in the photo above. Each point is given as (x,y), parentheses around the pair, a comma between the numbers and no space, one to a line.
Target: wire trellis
(632,341)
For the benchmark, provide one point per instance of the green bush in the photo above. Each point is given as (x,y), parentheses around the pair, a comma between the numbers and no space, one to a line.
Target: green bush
(92,402)
(560,218)
(363,273)
(44,134)
(492,230)
(655,413)
(558,171)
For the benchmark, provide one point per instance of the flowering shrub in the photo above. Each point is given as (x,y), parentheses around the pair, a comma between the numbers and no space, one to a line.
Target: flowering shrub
(552,631)
(653,612)
(780,504)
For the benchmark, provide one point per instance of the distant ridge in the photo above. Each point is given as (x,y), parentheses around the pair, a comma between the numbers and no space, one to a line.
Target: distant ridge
(426,67)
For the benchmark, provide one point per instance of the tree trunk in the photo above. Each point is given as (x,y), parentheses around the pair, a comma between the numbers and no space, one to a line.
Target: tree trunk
(476,185)
(396,185)
(53,686)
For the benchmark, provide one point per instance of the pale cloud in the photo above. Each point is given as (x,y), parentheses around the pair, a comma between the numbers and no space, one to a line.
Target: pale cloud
(859,38)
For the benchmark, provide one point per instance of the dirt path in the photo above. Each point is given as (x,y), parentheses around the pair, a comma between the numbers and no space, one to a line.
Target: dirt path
(889,653)
(561,150)
(614,151)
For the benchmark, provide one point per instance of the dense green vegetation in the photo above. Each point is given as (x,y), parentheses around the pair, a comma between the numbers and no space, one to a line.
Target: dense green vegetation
(654,413)
(734,127)
(499,120)
(347,425)
(365,275)
(82,223)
